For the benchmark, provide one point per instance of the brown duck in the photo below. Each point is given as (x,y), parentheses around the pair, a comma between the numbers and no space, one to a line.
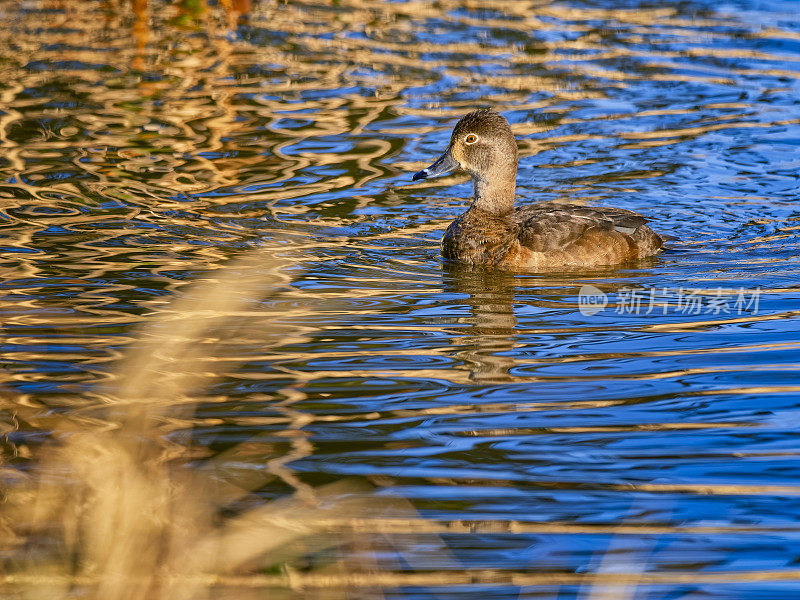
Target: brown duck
(535,237)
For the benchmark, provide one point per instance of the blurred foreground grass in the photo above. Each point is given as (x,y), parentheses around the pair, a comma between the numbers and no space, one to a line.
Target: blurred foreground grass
(111,510)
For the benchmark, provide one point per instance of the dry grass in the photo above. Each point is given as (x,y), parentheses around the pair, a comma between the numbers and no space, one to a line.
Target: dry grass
(112,511)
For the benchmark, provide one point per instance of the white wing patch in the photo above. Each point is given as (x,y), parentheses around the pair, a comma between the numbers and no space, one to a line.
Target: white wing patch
(628,230)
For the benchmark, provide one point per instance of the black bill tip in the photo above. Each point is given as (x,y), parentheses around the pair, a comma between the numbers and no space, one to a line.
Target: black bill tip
(444,164)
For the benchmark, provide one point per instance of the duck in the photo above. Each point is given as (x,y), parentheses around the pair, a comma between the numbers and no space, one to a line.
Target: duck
(538,237)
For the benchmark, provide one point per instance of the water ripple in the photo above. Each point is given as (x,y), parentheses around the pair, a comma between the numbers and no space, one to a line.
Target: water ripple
(551,454)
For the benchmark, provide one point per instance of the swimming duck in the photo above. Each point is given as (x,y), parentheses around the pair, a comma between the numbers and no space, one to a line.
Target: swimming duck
(534,237)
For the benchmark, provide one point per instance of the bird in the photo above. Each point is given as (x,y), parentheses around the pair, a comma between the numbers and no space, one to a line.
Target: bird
(535,237)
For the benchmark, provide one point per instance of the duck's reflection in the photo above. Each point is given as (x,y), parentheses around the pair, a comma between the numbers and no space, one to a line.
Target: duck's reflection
(488,339)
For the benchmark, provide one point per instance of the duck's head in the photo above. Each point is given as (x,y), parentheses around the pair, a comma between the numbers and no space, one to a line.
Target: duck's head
(483,145)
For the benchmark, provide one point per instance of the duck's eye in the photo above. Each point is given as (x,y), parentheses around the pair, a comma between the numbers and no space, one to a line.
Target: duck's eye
(471,139)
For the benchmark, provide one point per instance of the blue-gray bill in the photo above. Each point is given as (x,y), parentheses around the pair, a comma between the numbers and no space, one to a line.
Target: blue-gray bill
(444,164)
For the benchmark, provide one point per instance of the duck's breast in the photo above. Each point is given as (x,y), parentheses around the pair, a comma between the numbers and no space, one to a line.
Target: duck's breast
(477,237)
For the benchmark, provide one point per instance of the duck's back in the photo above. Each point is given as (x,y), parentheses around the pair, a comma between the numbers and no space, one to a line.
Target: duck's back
(548,236)
(573,235)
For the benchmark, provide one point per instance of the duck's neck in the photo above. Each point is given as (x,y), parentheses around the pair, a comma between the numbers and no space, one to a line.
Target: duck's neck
(496,197)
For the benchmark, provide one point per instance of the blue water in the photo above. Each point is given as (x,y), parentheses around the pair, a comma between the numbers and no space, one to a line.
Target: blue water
(655,438)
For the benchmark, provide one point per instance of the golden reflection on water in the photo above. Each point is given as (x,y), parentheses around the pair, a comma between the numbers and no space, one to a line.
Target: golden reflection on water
(147,144)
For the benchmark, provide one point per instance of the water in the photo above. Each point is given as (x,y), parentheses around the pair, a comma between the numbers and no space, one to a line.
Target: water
(653,442)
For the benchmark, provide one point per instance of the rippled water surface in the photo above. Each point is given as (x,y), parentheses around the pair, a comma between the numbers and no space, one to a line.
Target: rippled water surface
(145,146)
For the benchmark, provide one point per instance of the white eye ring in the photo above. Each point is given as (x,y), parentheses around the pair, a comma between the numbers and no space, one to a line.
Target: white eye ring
(471,139)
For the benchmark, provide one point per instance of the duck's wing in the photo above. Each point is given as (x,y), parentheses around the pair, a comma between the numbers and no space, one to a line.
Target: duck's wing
(552,227)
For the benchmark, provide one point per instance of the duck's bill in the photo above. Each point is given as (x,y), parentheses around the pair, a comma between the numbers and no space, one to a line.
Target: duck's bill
(444,164)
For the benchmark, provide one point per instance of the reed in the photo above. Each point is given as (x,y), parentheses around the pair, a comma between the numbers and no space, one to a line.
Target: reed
(111,510)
